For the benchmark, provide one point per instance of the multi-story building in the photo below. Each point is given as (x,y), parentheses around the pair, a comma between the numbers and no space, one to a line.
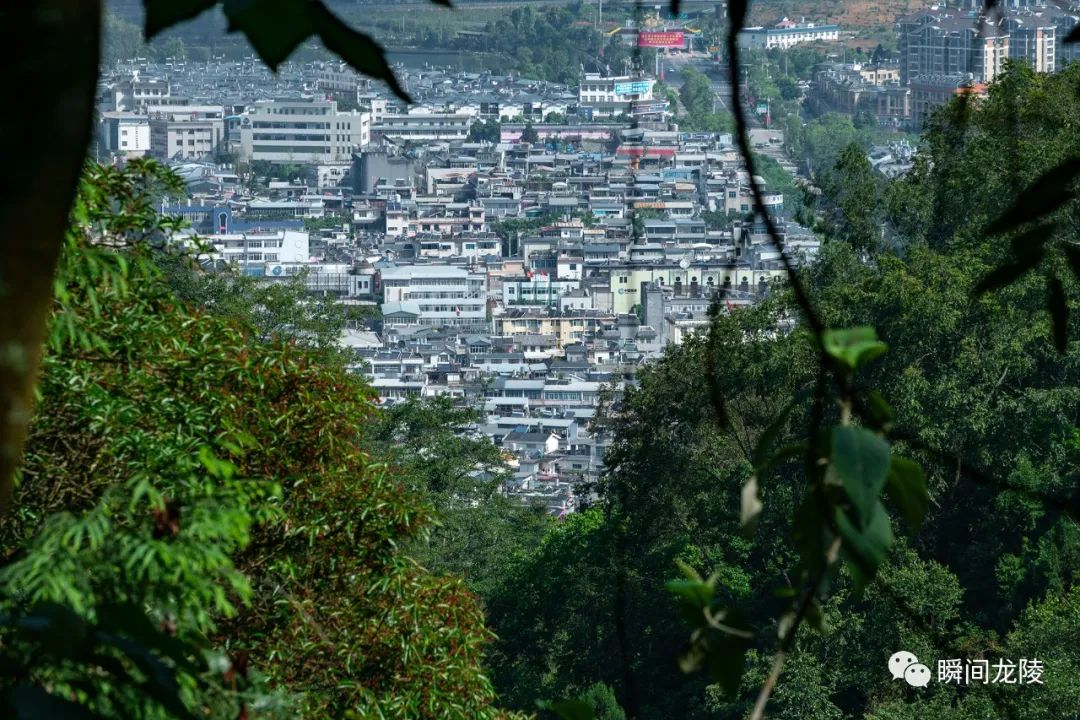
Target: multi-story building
(302,132)
(1063,22)
(135,93)
(786,34)
(609,96)
(185,132)
(255,251)
(337,78)
(879,74)
(537,289)
(845,89)
(125,133)
(944,42)
(433,295)
(424,126)
(929,92)
(567,328)
(1032,39)
(696,278)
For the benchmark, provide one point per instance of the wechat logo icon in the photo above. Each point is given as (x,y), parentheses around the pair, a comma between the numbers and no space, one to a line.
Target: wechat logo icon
(904,665)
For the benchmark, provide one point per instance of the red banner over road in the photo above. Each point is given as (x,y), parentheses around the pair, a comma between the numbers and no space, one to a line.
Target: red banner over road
(662,39)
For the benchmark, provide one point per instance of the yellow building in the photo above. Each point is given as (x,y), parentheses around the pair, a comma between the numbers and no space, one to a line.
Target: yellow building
(569,328)
(625,282)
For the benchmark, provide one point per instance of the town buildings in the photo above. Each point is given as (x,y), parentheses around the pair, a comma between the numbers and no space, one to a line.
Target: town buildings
(787,33)
(530,281)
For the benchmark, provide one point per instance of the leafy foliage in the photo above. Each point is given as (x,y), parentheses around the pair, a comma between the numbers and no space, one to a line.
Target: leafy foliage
(978,432)
(216,482)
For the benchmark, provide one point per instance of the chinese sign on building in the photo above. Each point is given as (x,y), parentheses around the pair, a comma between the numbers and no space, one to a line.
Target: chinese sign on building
(662,39)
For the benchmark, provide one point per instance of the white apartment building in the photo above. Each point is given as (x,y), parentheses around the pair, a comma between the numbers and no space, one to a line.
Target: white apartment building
(302,132)
(126,133)
(787,34)
(259,250)
(185,132)
(337,78)
(137,93)
(433,295)
(424,126)
(609,96)
(469,246)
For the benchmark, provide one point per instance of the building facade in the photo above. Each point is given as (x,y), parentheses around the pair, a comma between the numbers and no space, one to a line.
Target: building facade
(434,295)
(302,131)
(424,126)
(609,96)
(787,34)
(185,132)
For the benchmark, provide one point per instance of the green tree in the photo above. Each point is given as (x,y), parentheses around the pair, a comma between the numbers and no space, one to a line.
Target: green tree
(442,456)
(529,134)
(485,131)
(209,468)
(980,399)
(851,198)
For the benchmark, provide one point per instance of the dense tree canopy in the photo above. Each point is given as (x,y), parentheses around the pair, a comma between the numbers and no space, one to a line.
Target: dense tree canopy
(215,470)
(980,398)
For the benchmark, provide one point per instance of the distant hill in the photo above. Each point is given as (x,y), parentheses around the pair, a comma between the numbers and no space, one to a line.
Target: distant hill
(849,13)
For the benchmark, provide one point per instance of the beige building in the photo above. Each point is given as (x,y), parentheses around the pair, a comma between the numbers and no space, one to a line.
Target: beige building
(302,132)
(567,329)
(879,74)
(625,282)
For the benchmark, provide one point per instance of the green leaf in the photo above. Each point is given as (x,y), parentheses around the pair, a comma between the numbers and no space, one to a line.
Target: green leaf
(355,48)
(750,505)
(864,549)
(720,646)
(726,655)
(853,347)
(687,570)
(694,592)
(163,14)
(1058,308)
(273,27)
(879,411)
(570,709)
(161,682)
(1046,194)
(907,490)
(860,458)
